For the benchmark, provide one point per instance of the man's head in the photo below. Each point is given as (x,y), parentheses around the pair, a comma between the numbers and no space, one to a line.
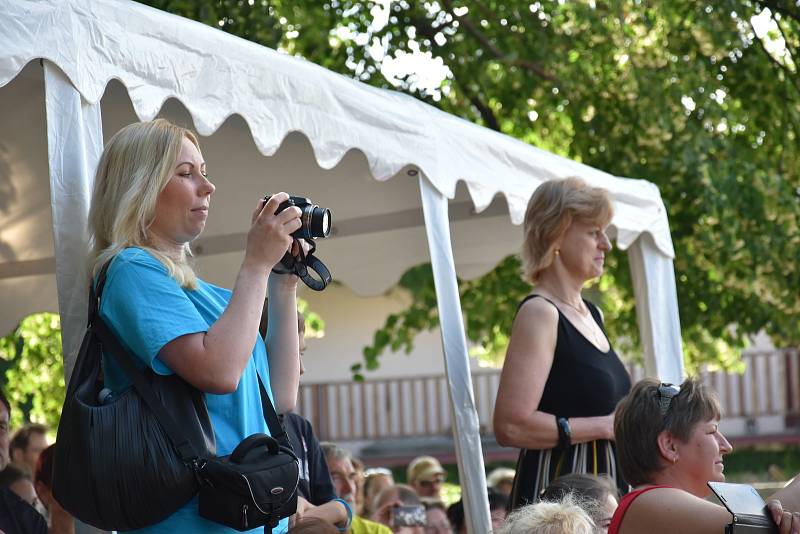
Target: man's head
(5,414)
(501,480)
(426,476)
(19,481)
(27,444)
(343,475)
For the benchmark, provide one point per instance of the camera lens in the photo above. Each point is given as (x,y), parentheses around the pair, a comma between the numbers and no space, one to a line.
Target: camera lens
(320,222)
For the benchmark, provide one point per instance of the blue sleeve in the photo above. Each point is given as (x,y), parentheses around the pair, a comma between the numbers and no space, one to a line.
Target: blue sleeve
(146,308)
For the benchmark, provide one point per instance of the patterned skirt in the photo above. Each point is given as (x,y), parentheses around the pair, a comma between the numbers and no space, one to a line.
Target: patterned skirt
(537,468)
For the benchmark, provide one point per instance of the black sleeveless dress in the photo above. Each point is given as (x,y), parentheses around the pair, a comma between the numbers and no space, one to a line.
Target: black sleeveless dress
(583,382)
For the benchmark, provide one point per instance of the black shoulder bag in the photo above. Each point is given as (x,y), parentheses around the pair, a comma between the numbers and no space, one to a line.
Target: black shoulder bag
(133,460)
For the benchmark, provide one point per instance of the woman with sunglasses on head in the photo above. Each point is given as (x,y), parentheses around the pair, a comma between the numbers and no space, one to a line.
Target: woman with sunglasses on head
(670,447)
(561,378)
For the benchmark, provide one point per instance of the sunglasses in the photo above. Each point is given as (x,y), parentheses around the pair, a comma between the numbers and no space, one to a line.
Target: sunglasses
(430,483)
(665,394)
(376,471)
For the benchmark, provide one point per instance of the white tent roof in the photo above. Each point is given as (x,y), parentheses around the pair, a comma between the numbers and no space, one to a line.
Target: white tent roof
(384,163)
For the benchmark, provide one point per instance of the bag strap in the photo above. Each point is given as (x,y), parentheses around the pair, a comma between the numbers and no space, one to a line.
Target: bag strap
(123,357)
(274,424)
(182,445)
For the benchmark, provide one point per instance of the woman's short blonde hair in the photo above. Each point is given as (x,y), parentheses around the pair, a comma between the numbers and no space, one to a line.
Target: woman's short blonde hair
(549,517)
(551,210)
(135,166)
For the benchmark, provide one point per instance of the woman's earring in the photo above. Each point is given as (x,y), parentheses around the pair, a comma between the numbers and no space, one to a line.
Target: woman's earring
(674,460)
(558,252)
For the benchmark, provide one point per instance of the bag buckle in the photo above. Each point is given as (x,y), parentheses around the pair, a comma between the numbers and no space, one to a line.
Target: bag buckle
(197,465)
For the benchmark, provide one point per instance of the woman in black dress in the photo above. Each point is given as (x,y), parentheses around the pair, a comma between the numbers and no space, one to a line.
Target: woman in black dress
(561,379)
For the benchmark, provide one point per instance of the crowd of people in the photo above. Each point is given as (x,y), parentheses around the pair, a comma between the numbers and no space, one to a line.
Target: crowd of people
(616,458)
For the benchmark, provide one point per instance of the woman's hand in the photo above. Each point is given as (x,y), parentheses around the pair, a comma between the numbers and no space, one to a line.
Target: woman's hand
(303,506)
(788,522)
(384,513)
(270,237)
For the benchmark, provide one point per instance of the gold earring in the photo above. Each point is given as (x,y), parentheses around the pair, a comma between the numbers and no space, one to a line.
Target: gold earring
(674,460)
(558,252)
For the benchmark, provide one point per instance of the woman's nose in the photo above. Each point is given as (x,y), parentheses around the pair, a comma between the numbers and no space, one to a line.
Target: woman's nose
(605,242)
(725,446)
(207,187)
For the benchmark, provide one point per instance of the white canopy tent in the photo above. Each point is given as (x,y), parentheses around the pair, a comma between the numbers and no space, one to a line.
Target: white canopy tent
(386,164)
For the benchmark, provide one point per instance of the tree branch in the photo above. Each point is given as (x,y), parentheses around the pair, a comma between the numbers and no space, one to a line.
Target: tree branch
(791,76)
(489,119)
(775,7)
(471,28)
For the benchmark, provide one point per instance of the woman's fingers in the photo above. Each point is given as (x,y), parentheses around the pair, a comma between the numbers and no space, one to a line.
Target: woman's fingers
(274,201)
(776,510)
(788,522)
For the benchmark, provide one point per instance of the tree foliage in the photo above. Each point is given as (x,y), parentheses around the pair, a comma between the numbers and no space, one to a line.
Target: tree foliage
(699,97)
(32,370)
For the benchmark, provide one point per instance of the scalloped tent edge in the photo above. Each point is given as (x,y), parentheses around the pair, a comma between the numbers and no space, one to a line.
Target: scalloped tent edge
(89,42)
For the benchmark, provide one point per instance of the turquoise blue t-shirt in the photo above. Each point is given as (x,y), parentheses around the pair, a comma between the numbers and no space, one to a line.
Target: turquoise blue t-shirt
(146,308)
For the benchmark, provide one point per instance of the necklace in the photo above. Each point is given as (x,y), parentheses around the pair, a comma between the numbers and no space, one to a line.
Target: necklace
(584,317)
(582,313)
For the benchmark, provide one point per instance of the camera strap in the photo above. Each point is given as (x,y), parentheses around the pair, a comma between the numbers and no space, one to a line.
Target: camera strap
(302,265)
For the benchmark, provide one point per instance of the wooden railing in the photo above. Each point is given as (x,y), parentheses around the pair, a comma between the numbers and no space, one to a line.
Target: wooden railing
(413,407)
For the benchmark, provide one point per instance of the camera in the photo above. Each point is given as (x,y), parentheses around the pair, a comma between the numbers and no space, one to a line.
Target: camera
(314,221)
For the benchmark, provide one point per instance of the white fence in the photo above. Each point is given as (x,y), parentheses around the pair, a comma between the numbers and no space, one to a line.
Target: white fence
(762,403)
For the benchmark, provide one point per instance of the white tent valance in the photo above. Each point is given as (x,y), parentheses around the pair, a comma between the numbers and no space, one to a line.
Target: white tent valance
(214,75)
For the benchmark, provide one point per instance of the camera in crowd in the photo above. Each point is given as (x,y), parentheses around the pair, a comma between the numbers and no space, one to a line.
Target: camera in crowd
(315,221)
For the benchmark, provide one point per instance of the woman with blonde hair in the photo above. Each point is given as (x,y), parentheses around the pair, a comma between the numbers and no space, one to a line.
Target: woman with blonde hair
(151,199)
(670,447)
(561,378)
(549,517)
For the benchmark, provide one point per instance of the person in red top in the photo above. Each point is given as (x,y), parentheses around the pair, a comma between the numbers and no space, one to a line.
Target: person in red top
(669,446)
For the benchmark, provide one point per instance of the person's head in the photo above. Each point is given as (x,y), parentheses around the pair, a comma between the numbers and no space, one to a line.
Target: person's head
(301,337)
(501,480)
(150,191)
(565,223)
(27,444)
(375,479)
(43,478)
(313,525)
(395,497)
(498,505)
(670,431)
(599,494)
(426,475)
(358,467)
(343,475)
(5,429)
(436,520)
(545,517)
(20,482)
(301,331)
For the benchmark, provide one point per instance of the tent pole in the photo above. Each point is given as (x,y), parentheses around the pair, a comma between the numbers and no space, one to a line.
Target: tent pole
(74,144)
(657,310)
(466,430)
